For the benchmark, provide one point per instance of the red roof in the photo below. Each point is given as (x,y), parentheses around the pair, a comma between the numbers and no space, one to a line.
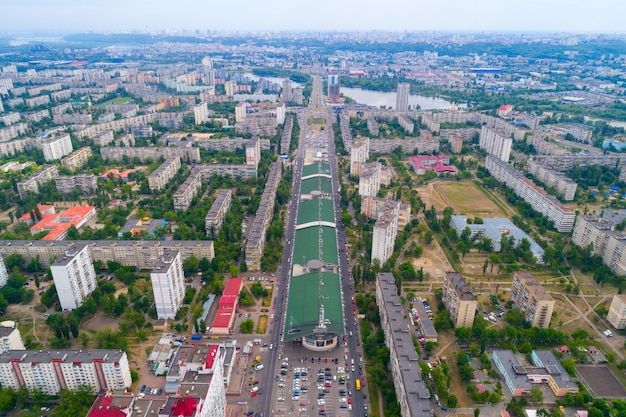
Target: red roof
(58,223)
(210,357)
(432,163)
(184,407)
(233,287)
(102,408)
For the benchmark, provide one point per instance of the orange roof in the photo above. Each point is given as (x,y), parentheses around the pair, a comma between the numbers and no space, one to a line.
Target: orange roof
(58,223)
(116,173)
(42,209)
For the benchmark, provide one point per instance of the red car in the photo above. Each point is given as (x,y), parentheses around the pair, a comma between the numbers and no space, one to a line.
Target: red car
(349,400)
(254,394)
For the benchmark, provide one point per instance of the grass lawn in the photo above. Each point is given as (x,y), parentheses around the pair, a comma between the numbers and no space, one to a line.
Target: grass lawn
(262,326)
(268,300)
(466,198)
(118,100)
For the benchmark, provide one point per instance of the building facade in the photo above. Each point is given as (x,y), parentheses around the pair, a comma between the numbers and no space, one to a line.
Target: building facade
(617,312)
(495,143)
(217,213)
(402,96)
(74,277)
(77,158)
(535,302)
(187,191)
(459,300)
(168,284)
(606,241)
(85,183)
(384,237)
(53,371)
(164,173)
(56,148)
(359,154)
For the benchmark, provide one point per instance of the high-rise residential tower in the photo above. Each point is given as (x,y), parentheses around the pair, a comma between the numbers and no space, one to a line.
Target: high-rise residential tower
(402,96)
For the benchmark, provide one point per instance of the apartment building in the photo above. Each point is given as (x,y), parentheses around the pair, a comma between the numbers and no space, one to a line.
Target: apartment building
(495,143)
(580,132)
(285,139)
(565,187)
(239,171)
(561,215)
(617,312)
(230,87)
(257,125)
(72,118)
(408,146)
(77,158)
(164,173)
(217,213)
(262,219)
(402,96)
(4,275)
(200,113)
(506,128)
(37,101)
(187,191)
(369,180)
(359,154)
(10,118)
(51,372)
(373,207)
(10,338)
(186,153)
(232,144)
(74,276)
(406,124)
(459,300)
(33,182)
(411,390)
(13,131)
(37,116)
(104,138)
(253,152)
(606,241)
(85,183)
(373,127)
(384,237)
(168,284)
(56,147)
(241,111)
(535,302)
(563,163)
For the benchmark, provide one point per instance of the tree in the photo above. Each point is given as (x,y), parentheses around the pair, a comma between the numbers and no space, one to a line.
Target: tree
(247,326)
(452,401)
(190,265)
(476,412)
(14,260)
(8,399)
(74,402)
(536,396)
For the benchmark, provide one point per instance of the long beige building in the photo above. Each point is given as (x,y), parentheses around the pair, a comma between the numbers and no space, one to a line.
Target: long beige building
(187,191)
(459,300)
(606,242)
(164,173)
(532,299)
(188,153)
(77,158)
(142,254)
(217,213)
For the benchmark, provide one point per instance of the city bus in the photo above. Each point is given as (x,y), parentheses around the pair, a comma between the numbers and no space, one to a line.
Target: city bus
(358,385)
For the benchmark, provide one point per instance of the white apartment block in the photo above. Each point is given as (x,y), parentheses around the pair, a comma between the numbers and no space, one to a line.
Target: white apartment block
(384,237)
(495,143)
(164,173)
(606,242)
(10,338)
(74,276)
(168,284)
(617,312)
(4,275)
(53,371)
(535,302)
(402,96)
(561,215)
(240,112)
(187,153)
(72,118)
(56,148)
(77,158)
(374,207)
(10,118)
(104,138)
(369,180)
(33,182)
(37,101)
(231,88)
(200,113)
(281,114)
(217,214)
(13,131)
(565,187)
(253,152)
(423,145)
(6,85)
(187,191)
(359,153)
(459,300)
(406,124)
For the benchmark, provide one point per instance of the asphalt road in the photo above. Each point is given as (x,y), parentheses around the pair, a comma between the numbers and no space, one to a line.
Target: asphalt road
(266,382)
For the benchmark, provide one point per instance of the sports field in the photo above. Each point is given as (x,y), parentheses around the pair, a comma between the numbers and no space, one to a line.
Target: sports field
(467,198)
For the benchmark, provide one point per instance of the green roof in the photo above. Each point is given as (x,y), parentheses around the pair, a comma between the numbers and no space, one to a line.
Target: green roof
(309,211)
(303,305)
(317,183)
(316,168)
(306,245)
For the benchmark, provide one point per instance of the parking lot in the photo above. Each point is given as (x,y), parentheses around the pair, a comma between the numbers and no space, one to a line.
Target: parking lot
(318,384)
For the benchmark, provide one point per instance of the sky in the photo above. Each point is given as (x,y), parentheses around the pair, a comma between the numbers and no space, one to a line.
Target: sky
(326,15)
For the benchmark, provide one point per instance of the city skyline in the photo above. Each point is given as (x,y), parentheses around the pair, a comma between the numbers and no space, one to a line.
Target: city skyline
(277,15)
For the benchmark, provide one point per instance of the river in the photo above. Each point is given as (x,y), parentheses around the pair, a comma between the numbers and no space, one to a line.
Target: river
(388,99)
